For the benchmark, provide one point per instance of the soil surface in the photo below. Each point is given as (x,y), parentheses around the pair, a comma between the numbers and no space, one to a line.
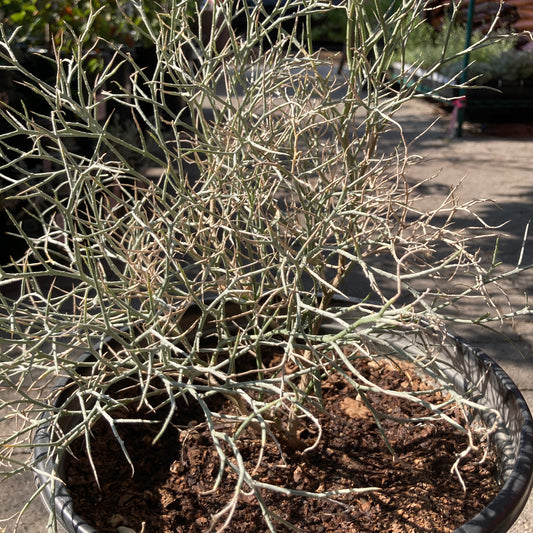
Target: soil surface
(171,490)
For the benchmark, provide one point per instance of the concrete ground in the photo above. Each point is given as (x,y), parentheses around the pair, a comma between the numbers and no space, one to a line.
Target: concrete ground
(493,164)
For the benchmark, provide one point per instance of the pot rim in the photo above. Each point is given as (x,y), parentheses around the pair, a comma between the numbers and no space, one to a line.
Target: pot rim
(503,510)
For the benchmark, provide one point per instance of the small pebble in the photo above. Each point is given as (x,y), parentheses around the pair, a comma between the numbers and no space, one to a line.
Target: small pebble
(116,520)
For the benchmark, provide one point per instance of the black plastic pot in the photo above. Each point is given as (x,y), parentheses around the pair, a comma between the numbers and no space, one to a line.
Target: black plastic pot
(493,101)
(501,101)
(468,368)
(514,439)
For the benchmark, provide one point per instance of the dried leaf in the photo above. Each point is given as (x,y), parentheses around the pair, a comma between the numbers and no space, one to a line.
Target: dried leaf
(355,408)
(298,474)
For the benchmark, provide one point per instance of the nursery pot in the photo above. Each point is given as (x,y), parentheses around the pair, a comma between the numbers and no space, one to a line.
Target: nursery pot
(468,368)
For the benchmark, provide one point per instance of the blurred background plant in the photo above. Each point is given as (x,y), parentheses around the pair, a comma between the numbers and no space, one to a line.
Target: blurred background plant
(47,23)
(499,58)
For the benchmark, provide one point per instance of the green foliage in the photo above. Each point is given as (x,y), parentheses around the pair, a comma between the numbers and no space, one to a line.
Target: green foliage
(41,22)
(329,27)
(496,59)
(507,64)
